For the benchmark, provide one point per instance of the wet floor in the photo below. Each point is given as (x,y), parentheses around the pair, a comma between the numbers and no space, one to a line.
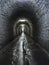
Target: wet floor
(23,51)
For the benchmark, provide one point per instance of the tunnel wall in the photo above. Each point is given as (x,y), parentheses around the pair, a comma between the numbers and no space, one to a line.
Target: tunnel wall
(41,10)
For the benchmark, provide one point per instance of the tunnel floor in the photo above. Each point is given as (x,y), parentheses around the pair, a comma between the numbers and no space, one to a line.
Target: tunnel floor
(39,57)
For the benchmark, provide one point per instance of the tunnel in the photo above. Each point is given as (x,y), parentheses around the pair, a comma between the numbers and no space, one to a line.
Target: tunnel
(24,32)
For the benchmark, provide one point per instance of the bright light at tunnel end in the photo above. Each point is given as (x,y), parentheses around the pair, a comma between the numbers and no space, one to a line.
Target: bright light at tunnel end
(23,22)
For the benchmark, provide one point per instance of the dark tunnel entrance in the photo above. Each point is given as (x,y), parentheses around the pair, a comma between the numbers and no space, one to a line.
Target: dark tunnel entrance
(28,14)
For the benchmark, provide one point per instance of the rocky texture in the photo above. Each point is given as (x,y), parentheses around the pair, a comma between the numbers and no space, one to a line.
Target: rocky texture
(39,8)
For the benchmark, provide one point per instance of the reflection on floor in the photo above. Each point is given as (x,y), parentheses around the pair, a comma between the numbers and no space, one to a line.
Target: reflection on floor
(23,51)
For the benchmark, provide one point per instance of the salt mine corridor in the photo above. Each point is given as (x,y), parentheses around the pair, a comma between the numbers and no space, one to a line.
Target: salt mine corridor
(24,32)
